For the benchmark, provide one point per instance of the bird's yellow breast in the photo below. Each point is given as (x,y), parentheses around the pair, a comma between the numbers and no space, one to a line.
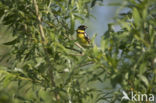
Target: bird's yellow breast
(80,35)
(81,38)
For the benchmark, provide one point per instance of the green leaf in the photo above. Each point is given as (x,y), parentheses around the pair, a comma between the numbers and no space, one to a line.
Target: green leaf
(136,17)
(11,42)
(144,79)
(144,13)
(72,23)
(93,3)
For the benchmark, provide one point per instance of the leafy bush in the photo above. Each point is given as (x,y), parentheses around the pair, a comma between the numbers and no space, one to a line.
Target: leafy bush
(47,65)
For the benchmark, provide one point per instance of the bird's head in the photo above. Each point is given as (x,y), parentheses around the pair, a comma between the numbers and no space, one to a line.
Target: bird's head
(82,27)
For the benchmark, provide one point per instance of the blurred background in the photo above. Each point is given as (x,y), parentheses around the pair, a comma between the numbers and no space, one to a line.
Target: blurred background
(104,15)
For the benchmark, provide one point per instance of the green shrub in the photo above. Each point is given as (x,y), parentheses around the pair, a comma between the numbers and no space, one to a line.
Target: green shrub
(45,65)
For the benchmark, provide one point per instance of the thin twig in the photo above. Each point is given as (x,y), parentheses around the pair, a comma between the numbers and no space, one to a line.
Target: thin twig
(76,43)
(76,54)
(86,64)
(74,50)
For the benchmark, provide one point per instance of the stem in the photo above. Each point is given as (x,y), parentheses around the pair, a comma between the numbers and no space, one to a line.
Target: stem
(42,34)
(76,43)
(39,19)
(74,50)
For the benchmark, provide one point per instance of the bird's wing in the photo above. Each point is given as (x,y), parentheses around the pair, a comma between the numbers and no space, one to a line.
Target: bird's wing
(86,37)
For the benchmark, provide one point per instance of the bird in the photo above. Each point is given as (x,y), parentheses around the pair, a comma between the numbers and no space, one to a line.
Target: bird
(82,37)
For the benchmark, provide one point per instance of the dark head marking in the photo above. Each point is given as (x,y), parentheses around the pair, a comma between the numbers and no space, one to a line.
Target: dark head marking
(82,27)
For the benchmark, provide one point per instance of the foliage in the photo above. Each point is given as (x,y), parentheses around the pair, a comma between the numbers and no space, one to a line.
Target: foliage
(45,64)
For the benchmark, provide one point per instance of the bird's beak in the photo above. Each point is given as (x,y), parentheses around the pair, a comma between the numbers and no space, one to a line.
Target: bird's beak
(86,27)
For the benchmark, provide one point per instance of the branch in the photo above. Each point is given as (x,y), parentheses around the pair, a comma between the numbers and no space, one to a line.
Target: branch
(76,43)
(39,19)
(74,50)
(76,54)
(45,50)
(86,64)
